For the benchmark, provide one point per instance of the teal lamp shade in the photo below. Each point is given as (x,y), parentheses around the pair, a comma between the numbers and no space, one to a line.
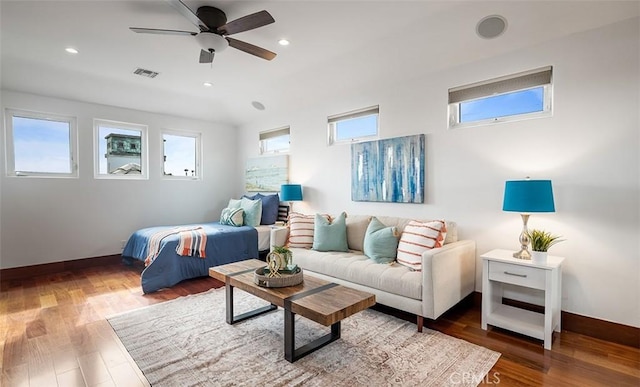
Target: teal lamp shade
(526,196)
(290,192)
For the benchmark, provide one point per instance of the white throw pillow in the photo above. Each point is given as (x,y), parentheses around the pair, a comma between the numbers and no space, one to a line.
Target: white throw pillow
(301,230)
(418,237)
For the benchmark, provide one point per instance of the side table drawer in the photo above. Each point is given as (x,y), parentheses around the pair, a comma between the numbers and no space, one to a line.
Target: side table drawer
(531,277)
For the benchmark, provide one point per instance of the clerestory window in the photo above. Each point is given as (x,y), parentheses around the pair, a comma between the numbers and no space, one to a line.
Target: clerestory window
(514,97)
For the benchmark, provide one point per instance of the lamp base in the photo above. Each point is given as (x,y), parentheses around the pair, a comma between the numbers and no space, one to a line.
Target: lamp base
(524,240)
(522,254)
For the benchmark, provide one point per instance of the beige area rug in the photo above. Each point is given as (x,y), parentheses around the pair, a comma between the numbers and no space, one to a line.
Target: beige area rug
(186,342)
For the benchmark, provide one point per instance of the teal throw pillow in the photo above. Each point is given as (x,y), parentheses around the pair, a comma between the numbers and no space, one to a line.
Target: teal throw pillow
(330,236)
(234,203)
(270,204)
(380,242)
(232,217)
(252,211)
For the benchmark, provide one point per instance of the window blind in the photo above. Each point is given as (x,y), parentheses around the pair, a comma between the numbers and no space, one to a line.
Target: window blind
(274,133)
(524,80)
(354,114)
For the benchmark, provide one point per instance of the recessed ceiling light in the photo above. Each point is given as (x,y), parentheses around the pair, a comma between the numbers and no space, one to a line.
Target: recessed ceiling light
(257,105)
(283,42)
(71,50)
(207,84)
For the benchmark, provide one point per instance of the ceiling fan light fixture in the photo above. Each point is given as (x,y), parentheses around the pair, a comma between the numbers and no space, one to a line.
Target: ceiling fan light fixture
(209,41)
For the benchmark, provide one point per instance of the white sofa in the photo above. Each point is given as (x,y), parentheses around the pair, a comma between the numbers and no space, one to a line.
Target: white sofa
(447,276)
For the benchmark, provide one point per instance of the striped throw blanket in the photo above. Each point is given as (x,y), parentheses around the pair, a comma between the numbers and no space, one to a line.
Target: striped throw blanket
(192,241)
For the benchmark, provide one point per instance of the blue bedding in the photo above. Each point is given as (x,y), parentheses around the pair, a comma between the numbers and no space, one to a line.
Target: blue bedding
(225,244)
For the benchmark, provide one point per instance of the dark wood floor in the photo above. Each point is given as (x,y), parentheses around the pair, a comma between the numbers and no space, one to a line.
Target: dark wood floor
(54,333)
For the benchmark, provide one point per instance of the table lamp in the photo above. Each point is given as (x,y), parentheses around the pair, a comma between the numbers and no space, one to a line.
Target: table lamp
(291,193)
(526,196)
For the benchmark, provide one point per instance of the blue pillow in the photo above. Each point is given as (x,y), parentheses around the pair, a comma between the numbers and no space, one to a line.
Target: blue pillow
(270,204)
(380,242)
(330,236)
(252,211)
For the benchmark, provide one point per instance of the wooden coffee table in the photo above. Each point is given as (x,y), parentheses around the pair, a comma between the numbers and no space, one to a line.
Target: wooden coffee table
(321,301)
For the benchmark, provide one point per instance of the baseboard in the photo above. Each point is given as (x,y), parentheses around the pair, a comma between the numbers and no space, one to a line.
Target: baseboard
(588,326)
(57,267)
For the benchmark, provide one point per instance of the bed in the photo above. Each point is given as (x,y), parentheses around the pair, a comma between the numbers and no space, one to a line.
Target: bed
(224,244)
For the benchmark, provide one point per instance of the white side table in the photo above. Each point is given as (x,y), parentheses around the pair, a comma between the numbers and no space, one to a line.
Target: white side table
(498,268)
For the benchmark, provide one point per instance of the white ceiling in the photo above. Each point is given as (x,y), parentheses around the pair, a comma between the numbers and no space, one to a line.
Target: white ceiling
(335,46)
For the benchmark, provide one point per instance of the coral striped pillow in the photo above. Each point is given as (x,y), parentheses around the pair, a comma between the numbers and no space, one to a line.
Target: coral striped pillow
(301,228)
(417,238)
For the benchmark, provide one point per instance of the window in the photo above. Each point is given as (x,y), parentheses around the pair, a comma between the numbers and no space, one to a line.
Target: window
(353,126)
(181,155)
(275,141)
(40,144)
(515,97)
(120,150)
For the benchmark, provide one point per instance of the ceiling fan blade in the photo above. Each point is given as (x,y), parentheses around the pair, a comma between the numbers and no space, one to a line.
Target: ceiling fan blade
(161,32)
(206,56)
(251,49)
(189,14)
(246,23)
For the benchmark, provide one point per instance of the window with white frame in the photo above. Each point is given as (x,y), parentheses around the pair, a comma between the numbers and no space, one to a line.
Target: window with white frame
(514,97)
(40,144)
(353,126)
(275,141)
(181,155)
(120,150)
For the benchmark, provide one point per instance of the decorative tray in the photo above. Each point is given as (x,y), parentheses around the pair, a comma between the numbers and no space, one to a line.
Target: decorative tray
(280,279)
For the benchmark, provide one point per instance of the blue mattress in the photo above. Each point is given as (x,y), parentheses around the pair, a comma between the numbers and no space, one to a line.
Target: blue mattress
(225,244)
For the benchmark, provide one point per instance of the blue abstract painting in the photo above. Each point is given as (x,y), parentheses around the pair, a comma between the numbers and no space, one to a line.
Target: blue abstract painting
(390,170)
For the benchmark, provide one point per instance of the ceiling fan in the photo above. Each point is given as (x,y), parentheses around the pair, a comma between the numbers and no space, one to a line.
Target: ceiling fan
(214,30)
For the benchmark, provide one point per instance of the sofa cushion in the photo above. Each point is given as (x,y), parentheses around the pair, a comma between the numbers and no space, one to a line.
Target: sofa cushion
(356,228)
(301,229)
(380,242)
(417,237)
(232,217)
(357,268)
(330,235)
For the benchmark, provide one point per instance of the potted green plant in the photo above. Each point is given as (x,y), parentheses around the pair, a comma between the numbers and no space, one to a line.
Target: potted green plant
(286,256)
(541,241)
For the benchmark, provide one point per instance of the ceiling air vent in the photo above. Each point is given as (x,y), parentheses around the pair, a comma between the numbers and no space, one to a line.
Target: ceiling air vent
(145,73)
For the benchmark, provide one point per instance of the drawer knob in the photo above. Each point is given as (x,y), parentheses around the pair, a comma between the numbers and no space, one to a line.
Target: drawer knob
(516,274)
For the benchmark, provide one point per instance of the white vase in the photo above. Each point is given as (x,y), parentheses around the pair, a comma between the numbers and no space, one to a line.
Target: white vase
(539,256)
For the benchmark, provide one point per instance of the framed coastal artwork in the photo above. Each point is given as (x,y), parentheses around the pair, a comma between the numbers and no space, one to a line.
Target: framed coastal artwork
(266,174)
(389,170)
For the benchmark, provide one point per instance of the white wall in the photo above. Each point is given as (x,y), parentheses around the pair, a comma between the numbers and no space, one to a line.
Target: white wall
(589,149)
(54,219)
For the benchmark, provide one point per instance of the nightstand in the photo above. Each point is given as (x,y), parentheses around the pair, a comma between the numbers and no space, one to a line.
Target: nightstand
(499,267)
